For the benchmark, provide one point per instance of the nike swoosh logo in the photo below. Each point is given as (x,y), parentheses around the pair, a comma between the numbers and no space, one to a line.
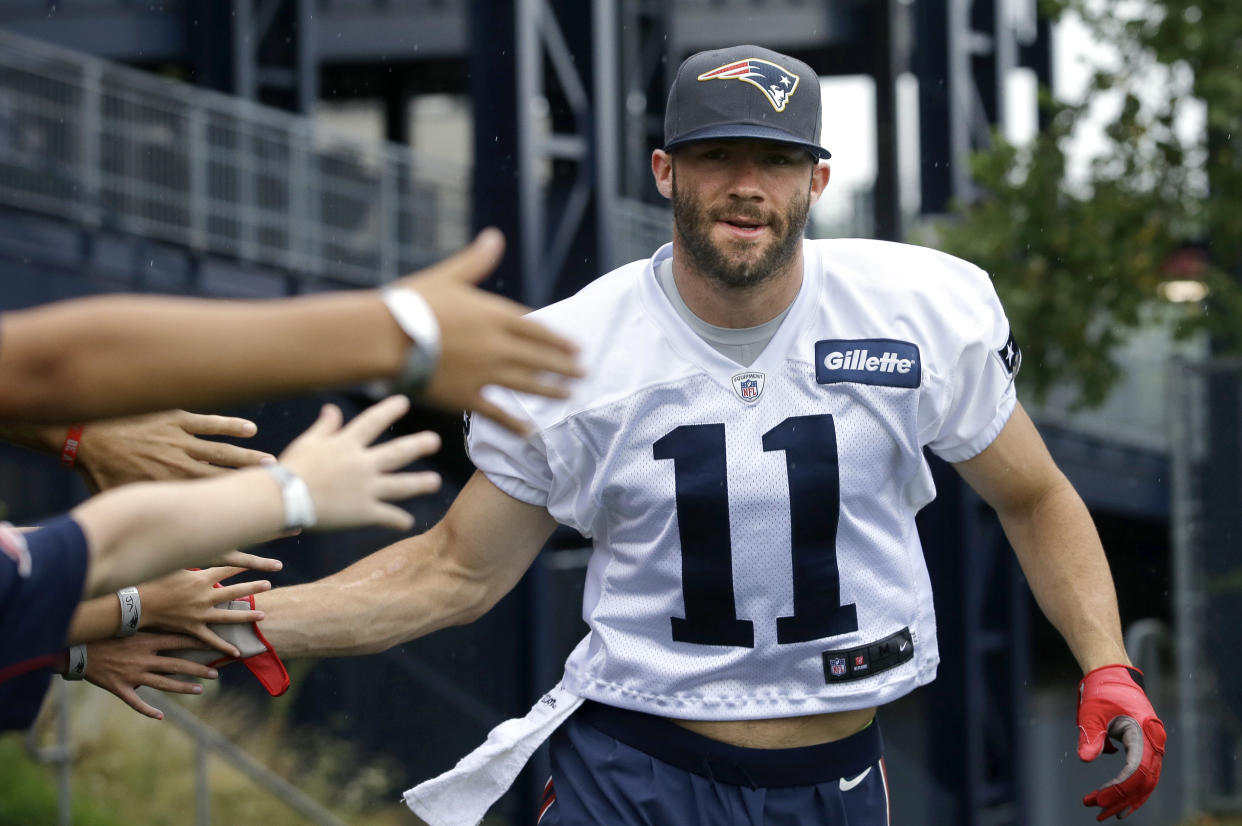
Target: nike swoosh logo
(902,647)
(846,785)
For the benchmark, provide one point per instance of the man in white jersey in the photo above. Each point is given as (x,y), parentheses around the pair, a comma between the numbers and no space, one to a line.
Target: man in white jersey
(746,456)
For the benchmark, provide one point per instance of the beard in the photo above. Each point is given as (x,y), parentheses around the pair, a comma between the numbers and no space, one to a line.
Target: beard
(738,264)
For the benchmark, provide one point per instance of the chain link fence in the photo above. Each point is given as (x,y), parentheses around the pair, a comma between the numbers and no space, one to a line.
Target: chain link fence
(116,148)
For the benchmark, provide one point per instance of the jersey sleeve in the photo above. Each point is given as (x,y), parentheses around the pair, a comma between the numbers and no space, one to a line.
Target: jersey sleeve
(541,469)
(515,464)
(976,396)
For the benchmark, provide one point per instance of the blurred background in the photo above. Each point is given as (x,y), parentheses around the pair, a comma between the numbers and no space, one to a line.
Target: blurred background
(1082,152)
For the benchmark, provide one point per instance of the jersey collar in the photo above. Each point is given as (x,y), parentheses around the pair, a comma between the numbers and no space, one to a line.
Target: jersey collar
(694,349)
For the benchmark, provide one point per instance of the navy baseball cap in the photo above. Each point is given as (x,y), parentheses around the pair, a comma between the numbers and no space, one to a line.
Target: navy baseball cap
(744,92)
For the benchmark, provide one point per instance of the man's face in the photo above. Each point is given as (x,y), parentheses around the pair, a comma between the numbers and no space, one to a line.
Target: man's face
(740,207)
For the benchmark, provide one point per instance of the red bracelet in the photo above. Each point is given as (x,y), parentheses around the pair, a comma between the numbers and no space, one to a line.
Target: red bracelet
(69,451)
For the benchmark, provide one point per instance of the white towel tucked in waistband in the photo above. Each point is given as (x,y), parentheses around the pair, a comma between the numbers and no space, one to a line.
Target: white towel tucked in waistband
(464,793)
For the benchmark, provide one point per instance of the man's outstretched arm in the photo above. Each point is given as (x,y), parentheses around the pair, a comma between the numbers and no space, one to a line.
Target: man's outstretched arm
(450,575)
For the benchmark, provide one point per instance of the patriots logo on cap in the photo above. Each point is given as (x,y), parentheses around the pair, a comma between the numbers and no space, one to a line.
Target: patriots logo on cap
(776,82)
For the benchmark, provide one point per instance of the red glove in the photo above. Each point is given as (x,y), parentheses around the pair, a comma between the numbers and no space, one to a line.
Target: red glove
(257,653)
(1111,703)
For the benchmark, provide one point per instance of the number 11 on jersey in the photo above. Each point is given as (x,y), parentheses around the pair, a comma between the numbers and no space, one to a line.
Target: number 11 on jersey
(699,468)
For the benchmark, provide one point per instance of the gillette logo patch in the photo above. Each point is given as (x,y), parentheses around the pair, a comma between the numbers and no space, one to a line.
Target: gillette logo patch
(878,361)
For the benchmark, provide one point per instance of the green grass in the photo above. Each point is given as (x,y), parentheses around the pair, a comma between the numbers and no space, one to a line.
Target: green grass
(128,769)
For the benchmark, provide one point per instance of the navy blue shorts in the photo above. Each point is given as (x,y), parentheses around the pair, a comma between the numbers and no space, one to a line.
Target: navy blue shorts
(624,768)
(40,586)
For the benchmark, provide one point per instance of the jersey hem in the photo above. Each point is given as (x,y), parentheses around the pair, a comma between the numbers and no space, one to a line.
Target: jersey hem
(743,707)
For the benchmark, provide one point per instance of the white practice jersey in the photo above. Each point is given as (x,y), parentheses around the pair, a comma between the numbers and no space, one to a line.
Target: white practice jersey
(755,552)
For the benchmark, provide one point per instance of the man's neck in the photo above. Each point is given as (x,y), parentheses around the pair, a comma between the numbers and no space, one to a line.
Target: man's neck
(735,307)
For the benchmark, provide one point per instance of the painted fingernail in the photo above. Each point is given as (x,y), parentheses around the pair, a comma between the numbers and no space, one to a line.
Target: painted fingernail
(159,715)
(198,689)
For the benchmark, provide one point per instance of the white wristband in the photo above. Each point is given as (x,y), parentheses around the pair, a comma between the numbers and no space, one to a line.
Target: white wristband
(414,316)
(131,611)
(77,663)
(299,506)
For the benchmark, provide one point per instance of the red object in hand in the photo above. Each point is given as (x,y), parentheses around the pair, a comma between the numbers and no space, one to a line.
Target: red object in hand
(1112,703)
(257,654)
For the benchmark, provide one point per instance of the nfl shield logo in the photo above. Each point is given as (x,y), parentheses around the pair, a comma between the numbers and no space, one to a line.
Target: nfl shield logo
(837,666)
(748,386)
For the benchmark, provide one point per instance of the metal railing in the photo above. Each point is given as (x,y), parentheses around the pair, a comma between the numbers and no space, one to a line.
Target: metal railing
(207,741)
(116,148)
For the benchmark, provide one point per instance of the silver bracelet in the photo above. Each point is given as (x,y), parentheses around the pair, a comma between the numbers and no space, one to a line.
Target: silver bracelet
(299,506)
(131,611)
(77,663)
(415,318)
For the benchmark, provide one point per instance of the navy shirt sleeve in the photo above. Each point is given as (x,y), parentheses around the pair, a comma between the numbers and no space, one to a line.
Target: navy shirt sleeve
(41,579)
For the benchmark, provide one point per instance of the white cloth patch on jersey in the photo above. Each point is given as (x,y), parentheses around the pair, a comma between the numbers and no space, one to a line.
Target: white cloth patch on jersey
(463,794)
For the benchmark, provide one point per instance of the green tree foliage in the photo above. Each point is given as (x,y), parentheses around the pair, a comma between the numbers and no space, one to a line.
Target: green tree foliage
(1077,258)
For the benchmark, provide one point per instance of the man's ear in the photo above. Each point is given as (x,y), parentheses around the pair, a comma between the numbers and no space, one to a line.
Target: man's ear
(819,179)
(662,171)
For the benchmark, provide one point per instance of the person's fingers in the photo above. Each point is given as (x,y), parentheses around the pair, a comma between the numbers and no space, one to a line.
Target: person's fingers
(398,453)
(207,425)
(526,381)
(485,408)
(397,486)
(476,262)
(241,559)
(367,426)
(214,640)
(167,642)
(545,338)
(131,699)
(391,516)
(219,573)
(175,665)
(200,470)
(161,682)
(537,357)
(222,454)
(229,616)
(328,422)
(237,590)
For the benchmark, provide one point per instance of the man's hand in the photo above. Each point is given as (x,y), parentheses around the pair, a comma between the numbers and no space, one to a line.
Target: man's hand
(351,482)
(483,337)
(1112,703)
(161,446)
(121,665)
(184,602)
